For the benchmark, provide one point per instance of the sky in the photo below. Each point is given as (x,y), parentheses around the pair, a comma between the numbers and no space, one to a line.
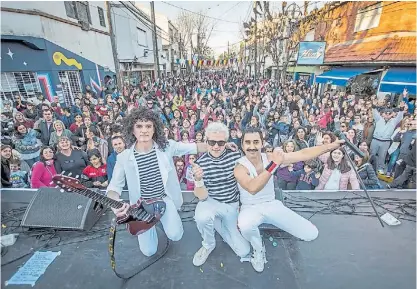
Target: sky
(233,11)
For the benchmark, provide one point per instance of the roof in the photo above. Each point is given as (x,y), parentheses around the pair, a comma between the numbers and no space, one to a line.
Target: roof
(393,49)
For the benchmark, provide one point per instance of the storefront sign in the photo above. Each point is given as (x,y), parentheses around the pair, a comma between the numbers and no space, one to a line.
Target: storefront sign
(311,53)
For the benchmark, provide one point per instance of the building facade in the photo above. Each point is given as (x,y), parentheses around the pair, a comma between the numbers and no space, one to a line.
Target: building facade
(370,48)
(54,48)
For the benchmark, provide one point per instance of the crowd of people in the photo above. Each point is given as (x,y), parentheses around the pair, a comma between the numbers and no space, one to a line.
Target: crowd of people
(41,137)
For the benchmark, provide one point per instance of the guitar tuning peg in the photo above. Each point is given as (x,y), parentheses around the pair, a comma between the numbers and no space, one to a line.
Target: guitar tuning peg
(77,176)
(61,190)
(69,174)
(63,173)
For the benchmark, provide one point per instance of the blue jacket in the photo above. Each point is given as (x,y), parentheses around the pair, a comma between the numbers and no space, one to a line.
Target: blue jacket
(111,162)
(411,106)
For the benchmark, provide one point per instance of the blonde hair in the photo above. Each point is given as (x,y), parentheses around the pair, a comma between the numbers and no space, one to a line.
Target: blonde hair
(58,121)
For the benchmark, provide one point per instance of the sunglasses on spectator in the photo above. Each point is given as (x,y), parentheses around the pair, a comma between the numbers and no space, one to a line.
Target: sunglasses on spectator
(212,143)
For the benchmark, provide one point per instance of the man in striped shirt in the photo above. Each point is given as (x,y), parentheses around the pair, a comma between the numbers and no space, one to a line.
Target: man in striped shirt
(216,188)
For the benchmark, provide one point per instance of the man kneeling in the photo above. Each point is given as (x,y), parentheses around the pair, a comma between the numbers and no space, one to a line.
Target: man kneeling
(253,174)
(216,188)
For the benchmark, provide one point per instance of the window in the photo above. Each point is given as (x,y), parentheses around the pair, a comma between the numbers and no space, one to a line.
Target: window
(78,10)
(142,37)
(368,18)
(70,9)
(25,84)
(101,16)
(71,85)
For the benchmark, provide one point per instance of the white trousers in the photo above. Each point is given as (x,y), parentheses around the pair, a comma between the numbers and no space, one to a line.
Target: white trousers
(172,224)
(274,213)
(212,215)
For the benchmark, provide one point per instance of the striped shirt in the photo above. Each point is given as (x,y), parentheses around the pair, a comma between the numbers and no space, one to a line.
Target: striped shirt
(219,178)
(151,185)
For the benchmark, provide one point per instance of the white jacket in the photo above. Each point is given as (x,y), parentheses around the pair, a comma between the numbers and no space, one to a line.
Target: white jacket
(126,168)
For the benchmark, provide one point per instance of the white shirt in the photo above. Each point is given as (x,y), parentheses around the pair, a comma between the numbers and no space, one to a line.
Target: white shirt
(334,180)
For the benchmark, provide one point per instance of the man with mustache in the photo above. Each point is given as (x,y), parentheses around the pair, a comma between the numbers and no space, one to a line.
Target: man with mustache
(253,174)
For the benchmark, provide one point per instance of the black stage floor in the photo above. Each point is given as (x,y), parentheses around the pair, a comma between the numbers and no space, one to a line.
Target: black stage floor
(350,252)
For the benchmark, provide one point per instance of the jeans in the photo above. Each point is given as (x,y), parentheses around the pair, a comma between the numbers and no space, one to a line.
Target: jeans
(393,159)
(284,185)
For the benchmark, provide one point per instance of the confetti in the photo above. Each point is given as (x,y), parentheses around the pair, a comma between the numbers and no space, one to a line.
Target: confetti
(201,270)
(274,244)
(221,265)
(271,239)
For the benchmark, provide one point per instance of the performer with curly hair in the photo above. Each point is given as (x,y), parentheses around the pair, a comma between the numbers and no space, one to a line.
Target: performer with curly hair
(148,167)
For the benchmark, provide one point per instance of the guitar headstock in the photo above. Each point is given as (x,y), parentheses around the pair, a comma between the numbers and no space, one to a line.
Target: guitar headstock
(67,183)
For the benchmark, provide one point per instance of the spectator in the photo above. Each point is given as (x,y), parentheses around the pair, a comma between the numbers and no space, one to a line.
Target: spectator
(96,142)
(18,178)
(59,131)
(6,155)
(284,179)
(26,144)
(95,174)
(119,145)
(337,173)
(44,170)
(45,126)
(78,123)
(367,172)
(307,178)
(19,118)
(30,112)
(408,177)
(68,159)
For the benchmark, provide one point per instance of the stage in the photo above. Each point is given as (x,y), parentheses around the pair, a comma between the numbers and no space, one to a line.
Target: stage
(353,250)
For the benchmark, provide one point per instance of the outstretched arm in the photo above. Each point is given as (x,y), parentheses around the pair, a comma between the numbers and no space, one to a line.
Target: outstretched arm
(309,153)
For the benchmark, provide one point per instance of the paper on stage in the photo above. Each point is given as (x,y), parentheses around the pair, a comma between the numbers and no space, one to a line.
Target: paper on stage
(35,267)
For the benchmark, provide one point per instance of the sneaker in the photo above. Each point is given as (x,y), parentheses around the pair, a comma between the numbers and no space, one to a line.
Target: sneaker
(381,172)
(201,256)
(258,260)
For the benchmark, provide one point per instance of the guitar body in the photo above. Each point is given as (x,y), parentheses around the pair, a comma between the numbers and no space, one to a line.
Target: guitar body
(135,226)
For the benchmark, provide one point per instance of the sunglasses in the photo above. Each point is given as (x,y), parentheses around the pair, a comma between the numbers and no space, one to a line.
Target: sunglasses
(212,143)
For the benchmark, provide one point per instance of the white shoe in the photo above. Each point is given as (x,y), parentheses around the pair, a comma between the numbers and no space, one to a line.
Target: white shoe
(201,256)
(258,260)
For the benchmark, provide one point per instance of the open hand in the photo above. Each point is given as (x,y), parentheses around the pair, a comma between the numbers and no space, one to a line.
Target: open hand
(232,146)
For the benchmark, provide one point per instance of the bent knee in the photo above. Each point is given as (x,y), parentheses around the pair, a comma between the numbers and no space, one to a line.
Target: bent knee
(246,225)
(311,234)
(176,236)
(149,250)
(202,217)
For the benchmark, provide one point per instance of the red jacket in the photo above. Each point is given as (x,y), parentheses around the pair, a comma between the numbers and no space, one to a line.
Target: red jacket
(42,174)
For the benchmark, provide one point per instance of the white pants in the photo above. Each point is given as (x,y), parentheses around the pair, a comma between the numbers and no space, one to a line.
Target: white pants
(274,213)
(171,221)
(213,215)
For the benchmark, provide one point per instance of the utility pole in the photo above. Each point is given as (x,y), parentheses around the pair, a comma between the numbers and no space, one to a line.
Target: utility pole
(155,43)
(256,41)
(113,45)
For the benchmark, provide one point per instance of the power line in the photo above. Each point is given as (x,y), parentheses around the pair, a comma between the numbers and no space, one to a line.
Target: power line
(218,19)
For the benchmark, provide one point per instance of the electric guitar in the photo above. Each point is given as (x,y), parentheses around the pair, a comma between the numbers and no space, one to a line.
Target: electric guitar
(140,217)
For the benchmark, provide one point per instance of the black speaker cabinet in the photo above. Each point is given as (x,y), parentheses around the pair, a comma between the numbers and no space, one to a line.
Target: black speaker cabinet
(50,208)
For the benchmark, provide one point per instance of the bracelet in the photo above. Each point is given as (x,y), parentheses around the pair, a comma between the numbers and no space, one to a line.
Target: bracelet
(271,167)
(199,184)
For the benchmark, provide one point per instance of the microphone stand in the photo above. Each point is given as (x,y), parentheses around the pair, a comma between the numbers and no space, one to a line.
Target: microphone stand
(362,184)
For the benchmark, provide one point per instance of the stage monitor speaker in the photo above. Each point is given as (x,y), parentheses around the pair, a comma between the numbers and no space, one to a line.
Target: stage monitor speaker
(50,208)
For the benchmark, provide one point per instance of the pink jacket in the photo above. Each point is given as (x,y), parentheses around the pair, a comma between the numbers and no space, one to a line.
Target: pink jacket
(42,175)
(345,179)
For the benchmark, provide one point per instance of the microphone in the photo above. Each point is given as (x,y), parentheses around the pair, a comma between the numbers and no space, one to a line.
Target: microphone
(352,147)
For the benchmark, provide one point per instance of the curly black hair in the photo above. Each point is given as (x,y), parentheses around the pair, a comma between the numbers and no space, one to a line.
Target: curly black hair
(144,114)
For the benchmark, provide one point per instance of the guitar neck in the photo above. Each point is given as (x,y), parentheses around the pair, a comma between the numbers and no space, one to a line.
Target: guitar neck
(102,199)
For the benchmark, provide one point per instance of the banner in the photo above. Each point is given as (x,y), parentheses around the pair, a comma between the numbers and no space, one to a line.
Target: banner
(311,53)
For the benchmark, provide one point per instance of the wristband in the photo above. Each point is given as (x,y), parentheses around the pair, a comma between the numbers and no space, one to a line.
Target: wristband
(199,184)
(271,167)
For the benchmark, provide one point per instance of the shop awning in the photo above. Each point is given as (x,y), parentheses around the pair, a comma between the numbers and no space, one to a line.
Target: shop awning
(340,76)
(399,78)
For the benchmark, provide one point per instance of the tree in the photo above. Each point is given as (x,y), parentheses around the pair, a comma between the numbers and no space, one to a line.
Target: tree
(195,32)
